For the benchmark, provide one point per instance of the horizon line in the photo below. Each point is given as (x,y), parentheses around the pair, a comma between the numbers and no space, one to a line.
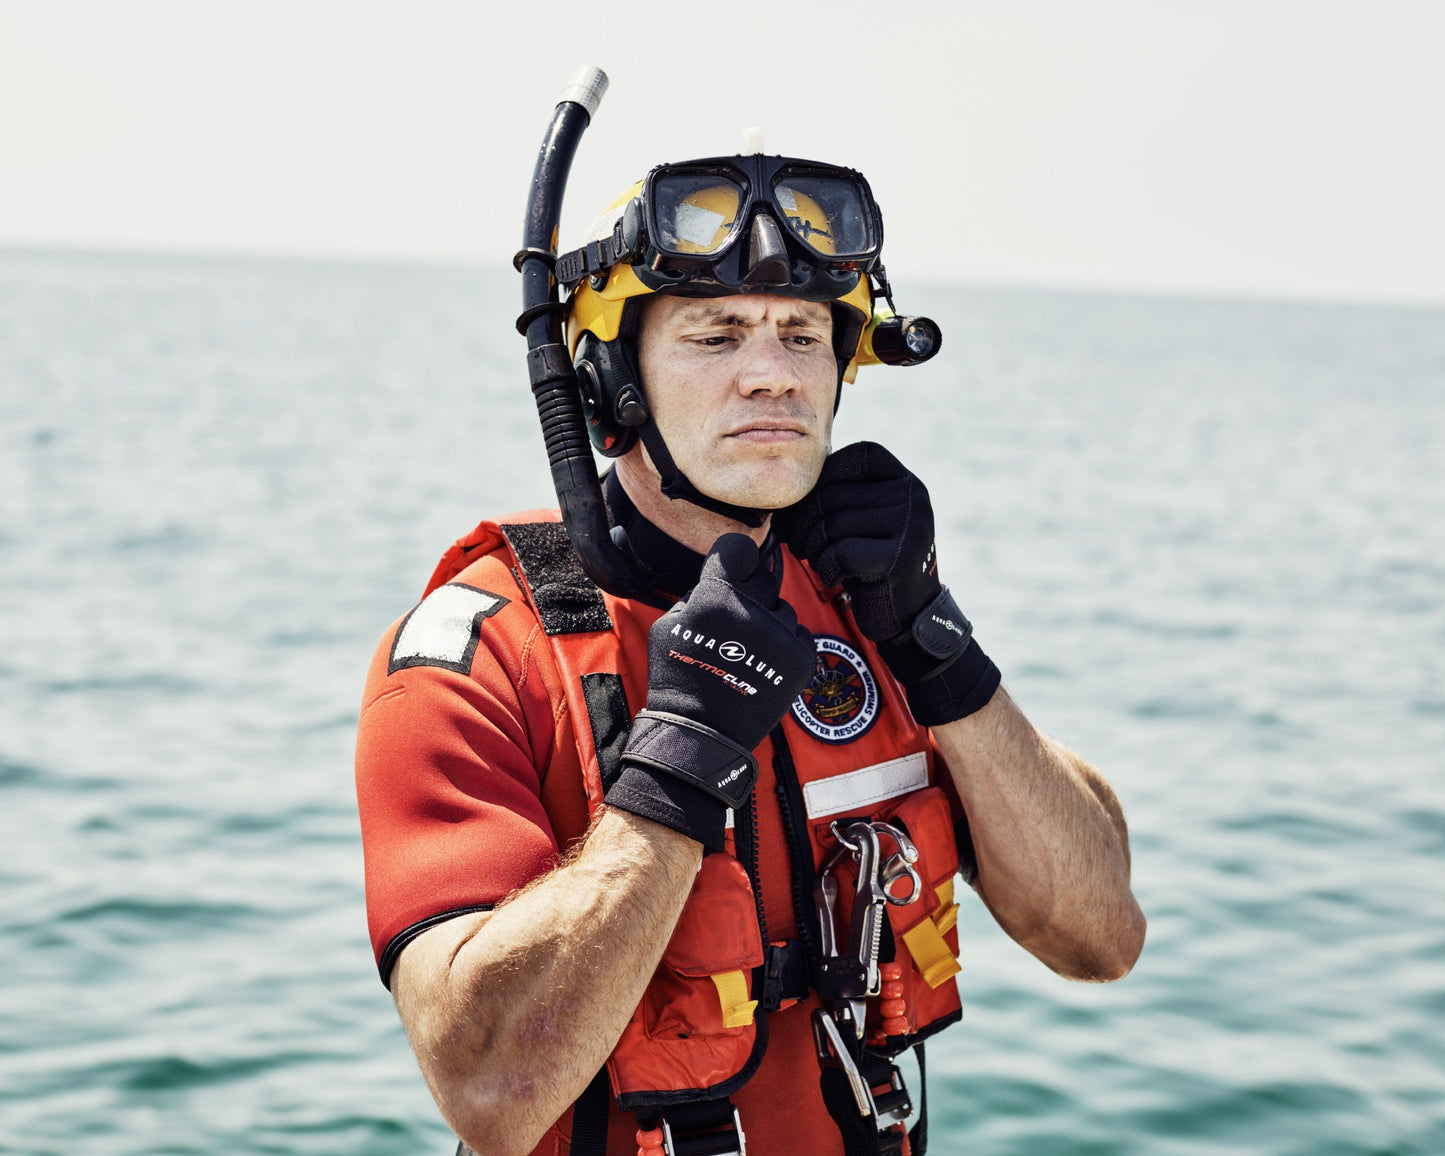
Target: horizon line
(1067,287)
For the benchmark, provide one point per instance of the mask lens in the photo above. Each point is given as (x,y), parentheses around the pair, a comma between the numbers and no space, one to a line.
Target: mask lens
(827,214)
(695,214)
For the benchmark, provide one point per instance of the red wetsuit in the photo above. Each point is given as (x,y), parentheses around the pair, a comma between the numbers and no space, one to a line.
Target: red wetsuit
(470,784)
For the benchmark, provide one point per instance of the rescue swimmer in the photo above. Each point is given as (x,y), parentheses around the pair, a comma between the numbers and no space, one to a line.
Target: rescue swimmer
(623,908)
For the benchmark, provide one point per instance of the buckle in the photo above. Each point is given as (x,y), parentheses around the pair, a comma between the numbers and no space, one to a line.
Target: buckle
(785,973)
(725,1143)
(892,1107)
(887,1108)
(833,1053)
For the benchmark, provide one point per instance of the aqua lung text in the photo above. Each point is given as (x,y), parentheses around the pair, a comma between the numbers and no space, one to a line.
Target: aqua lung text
(734,652)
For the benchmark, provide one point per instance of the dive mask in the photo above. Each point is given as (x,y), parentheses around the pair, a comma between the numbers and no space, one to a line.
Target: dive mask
(734,224)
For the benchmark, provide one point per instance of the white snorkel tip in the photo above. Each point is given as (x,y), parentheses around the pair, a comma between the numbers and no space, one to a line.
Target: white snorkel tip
(586,87)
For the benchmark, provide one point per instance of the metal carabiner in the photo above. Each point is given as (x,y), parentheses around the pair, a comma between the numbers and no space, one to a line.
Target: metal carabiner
(825,891)
(844,976)
(899,866)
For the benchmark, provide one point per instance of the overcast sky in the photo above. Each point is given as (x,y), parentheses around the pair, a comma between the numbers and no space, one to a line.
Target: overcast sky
(1259,147)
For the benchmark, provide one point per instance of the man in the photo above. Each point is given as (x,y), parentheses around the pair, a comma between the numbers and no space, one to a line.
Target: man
(731,910)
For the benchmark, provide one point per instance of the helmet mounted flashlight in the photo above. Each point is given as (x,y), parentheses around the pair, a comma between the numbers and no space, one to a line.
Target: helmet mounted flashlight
(905,340)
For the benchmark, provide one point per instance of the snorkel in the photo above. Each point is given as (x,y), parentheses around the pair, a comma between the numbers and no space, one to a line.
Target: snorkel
(549,364)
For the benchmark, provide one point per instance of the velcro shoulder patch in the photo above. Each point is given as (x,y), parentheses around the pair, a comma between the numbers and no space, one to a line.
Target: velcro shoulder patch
(566,600)
(444,628)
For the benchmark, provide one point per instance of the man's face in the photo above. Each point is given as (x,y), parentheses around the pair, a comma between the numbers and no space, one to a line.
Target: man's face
(742,391)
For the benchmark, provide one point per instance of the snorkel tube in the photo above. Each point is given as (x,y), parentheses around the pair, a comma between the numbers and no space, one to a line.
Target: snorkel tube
(549,364)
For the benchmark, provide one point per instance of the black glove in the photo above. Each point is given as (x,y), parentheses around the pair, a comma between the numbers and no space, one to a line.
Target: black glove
(868,526)
(723,666)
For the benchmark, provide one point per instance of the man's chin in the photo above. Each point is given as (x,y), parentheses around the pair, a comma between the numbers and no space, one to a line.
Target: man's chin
(769,489)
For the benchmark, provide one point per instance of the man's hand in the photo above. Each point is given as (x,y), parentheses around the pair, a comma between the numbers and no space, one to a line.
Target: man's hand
(723,667)
(868,526)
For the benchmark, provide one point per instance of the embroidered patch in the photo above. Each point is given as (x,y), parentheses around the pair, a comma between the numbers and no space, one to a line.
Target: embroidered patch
(841,702)
(444,629)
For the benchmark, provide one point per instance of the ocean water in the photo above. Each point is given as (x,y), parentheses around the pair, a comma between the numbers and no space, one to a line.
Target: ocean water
(1204,540)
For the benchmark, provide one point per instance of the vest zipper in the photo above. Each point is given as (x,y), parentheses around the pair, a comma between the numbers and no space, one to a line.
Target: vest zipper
(745,838)
(800,849)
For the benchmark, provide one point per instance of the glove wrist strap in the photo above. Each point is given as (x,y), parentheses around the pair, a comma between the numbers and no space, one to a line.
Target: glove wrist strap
(933,642)
(697,754)
(944,672)
(940,628)
(965,685)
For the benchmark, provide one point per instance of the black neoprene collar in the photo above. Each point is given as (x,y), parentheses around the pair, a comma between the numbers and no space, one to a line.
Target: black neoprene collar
(677,566)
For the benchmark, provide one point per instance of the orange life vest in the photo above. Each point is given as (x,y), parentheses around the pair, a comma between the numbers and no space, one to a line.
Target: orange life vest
(854,750)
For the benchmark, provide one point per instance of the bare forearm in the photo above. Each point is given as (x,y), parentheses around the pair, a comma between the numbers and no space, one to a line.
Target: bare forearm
(1051,843)
(511,1014)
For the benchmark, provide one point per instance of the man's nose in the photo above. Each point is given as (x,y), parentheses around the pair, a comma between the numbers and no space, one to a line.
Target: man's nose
(767,367)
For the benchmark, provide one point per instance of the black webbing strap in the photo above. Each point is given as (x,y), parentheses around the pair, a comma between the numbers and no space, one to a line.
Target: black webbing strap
(918,1134)
(566,600)
(706,1128)
(675,484)
(611,721)
(860,1133)
(589,1118)
(594,257)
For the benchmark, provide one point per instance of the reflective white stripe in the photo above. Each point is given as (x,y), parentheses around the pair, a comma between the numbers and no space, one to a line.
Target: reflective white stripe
(862,788)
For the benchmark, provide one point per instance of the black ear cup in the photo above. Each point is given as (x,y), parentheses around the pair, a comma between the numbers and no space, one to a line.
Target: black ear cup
(603,438)
(611,399)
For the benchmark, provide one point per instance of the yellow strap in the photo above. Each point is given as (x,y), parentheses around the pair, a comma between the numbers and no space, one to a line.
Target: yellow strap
(946,916)
(945,894)
(930,953)
(732,990)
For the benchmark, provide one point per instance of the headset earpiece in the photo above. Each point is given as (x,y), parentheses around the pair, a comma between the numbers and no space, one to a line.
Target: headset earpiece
(611,399)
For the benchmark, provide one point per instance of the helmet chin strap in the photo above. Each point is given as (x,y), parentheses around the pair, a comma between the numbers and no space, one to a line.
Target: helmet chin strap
(676,485)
